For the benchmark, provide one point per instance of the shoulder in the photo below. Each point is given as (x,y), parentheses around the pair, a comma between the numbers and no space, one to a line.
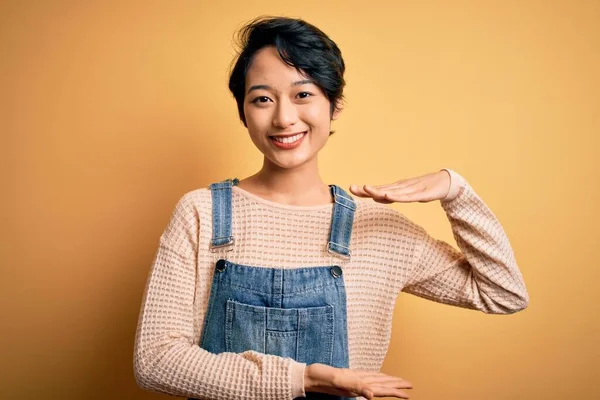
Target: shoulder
(193,202)
(382,218)
(195,196)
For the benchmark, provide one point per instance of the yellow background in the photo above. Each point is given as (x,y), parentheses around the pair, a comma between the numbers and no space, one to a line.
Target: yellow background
(111,111)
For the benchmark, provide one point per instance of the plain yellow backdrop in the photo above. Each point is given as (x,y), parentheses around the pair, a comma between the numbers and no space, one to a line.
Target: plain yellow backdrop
(112,110)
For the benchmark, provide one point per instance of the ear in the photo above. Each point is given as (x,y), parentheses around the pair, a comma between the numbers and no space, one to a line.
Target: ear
(337,111)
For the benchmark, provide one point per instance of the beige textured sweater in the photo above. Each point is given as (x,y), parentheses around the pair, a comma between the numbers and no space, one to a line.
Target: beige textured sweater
(390,254)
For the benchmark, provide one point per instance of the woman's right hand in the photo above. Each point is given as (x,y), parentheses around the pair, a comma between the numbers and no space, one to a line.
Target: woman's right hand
(352,382)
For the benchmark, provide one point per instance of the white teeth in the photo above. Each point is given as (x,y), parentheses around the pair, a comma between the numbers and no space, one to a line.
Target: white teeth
(289,139)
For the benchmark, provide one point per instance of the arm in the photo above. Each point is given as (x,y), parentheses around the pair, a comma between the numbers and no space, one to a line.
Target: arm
(167,360)
(484,274)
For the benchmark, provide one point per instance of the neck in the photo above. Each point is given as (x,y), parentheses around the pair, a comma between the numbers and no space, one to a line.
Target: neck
(293,186)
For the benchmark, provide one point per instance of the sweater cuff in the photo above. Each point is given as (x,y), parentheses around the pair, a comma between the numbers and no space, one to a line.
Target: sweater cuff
(298,379)
(457,182)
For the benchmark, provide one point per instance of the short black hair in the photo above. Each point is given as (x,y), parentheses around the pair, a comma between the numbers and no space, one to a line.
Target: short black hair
(300,45)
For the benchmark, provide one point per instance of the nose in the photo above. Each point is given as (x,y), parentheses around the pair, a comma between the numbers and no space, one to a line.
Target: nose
(286,114)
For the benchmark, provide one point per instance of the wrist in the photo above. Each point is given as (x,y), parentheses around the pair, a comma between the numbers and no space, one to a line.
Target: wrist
(457,182)
(317,376)
(308,378)
(298,370)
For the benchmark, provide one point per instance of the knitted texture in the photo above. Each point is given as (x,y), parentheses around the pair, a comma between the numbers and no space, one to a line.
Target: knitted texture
(390,254)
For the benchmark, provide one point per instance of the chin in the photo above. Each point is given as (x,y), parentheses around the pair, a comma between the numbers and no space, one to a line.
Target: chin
(291,162)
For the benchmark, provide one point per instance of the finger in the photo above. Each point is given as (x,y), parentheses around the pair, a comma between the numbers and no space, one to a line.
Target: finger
(384,391)
(398,184)
(377,378)
(407,198)
(375,193)
(362,390)
(366,190)
(384,201)
(408,195)
(378,195)
(359,191)
(387,380)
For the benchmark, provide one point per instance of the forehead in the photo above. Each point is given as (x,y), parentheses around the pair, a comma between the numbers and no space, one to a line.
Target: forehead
(268,68)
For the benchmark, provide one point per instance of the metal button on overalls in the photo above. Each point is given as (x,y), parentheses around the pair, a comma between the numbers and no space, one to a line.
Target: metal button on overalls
(221,265)
(298,313)
(336,271)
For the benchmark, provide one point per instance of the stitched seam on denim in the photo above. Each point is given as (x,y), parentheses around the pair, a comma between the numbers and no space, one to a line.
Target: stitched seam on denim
(317,288)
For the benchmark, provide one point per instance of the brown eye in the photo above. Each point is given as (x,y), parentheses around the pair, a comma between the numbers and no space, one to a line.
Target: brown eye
(304,95)
(260,99)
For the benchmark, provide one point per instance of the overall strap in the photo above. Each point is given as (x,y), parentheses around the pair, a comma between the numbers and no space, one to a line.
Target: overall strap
(341,223)
(221,214)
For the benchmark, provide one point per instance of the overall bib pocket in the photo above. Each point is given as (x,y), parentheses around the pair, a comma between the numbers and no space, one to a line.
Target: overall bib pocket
(303,334)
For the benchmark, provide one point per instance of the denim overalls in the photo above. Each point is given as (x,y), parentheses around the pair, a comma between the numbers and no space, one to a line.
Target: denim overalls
(298,313)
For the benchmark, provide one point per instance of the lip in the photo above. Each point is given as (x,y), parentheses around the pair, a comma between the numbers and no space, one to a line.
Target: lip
(288,134)
(288,146)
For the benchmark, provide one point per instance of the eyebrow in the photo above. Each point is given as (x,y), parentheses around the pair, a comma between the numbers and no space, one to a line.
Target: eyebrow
(267,87)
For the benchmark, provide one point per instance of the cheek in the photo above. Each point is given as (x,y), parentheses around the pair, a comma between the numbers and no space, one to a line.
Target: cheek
(317,113)
(254,118)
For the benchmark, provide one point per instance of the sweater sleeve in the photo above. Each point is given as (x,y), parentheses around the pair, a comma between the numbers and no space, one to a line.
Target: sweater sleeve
(167,360)
(483,275)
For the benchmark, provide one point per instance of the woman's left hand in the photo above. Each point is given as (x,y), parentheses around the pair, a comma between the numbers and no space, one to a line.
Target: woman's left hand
(425,188)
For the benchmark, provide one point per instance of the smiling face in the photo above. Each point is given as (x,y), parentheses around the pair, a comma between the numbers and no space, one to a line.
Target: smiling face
(281,102)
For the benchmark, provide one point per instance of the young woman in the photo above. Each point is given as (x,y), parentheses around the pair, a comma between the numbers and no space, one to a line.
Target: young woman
(279,285)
